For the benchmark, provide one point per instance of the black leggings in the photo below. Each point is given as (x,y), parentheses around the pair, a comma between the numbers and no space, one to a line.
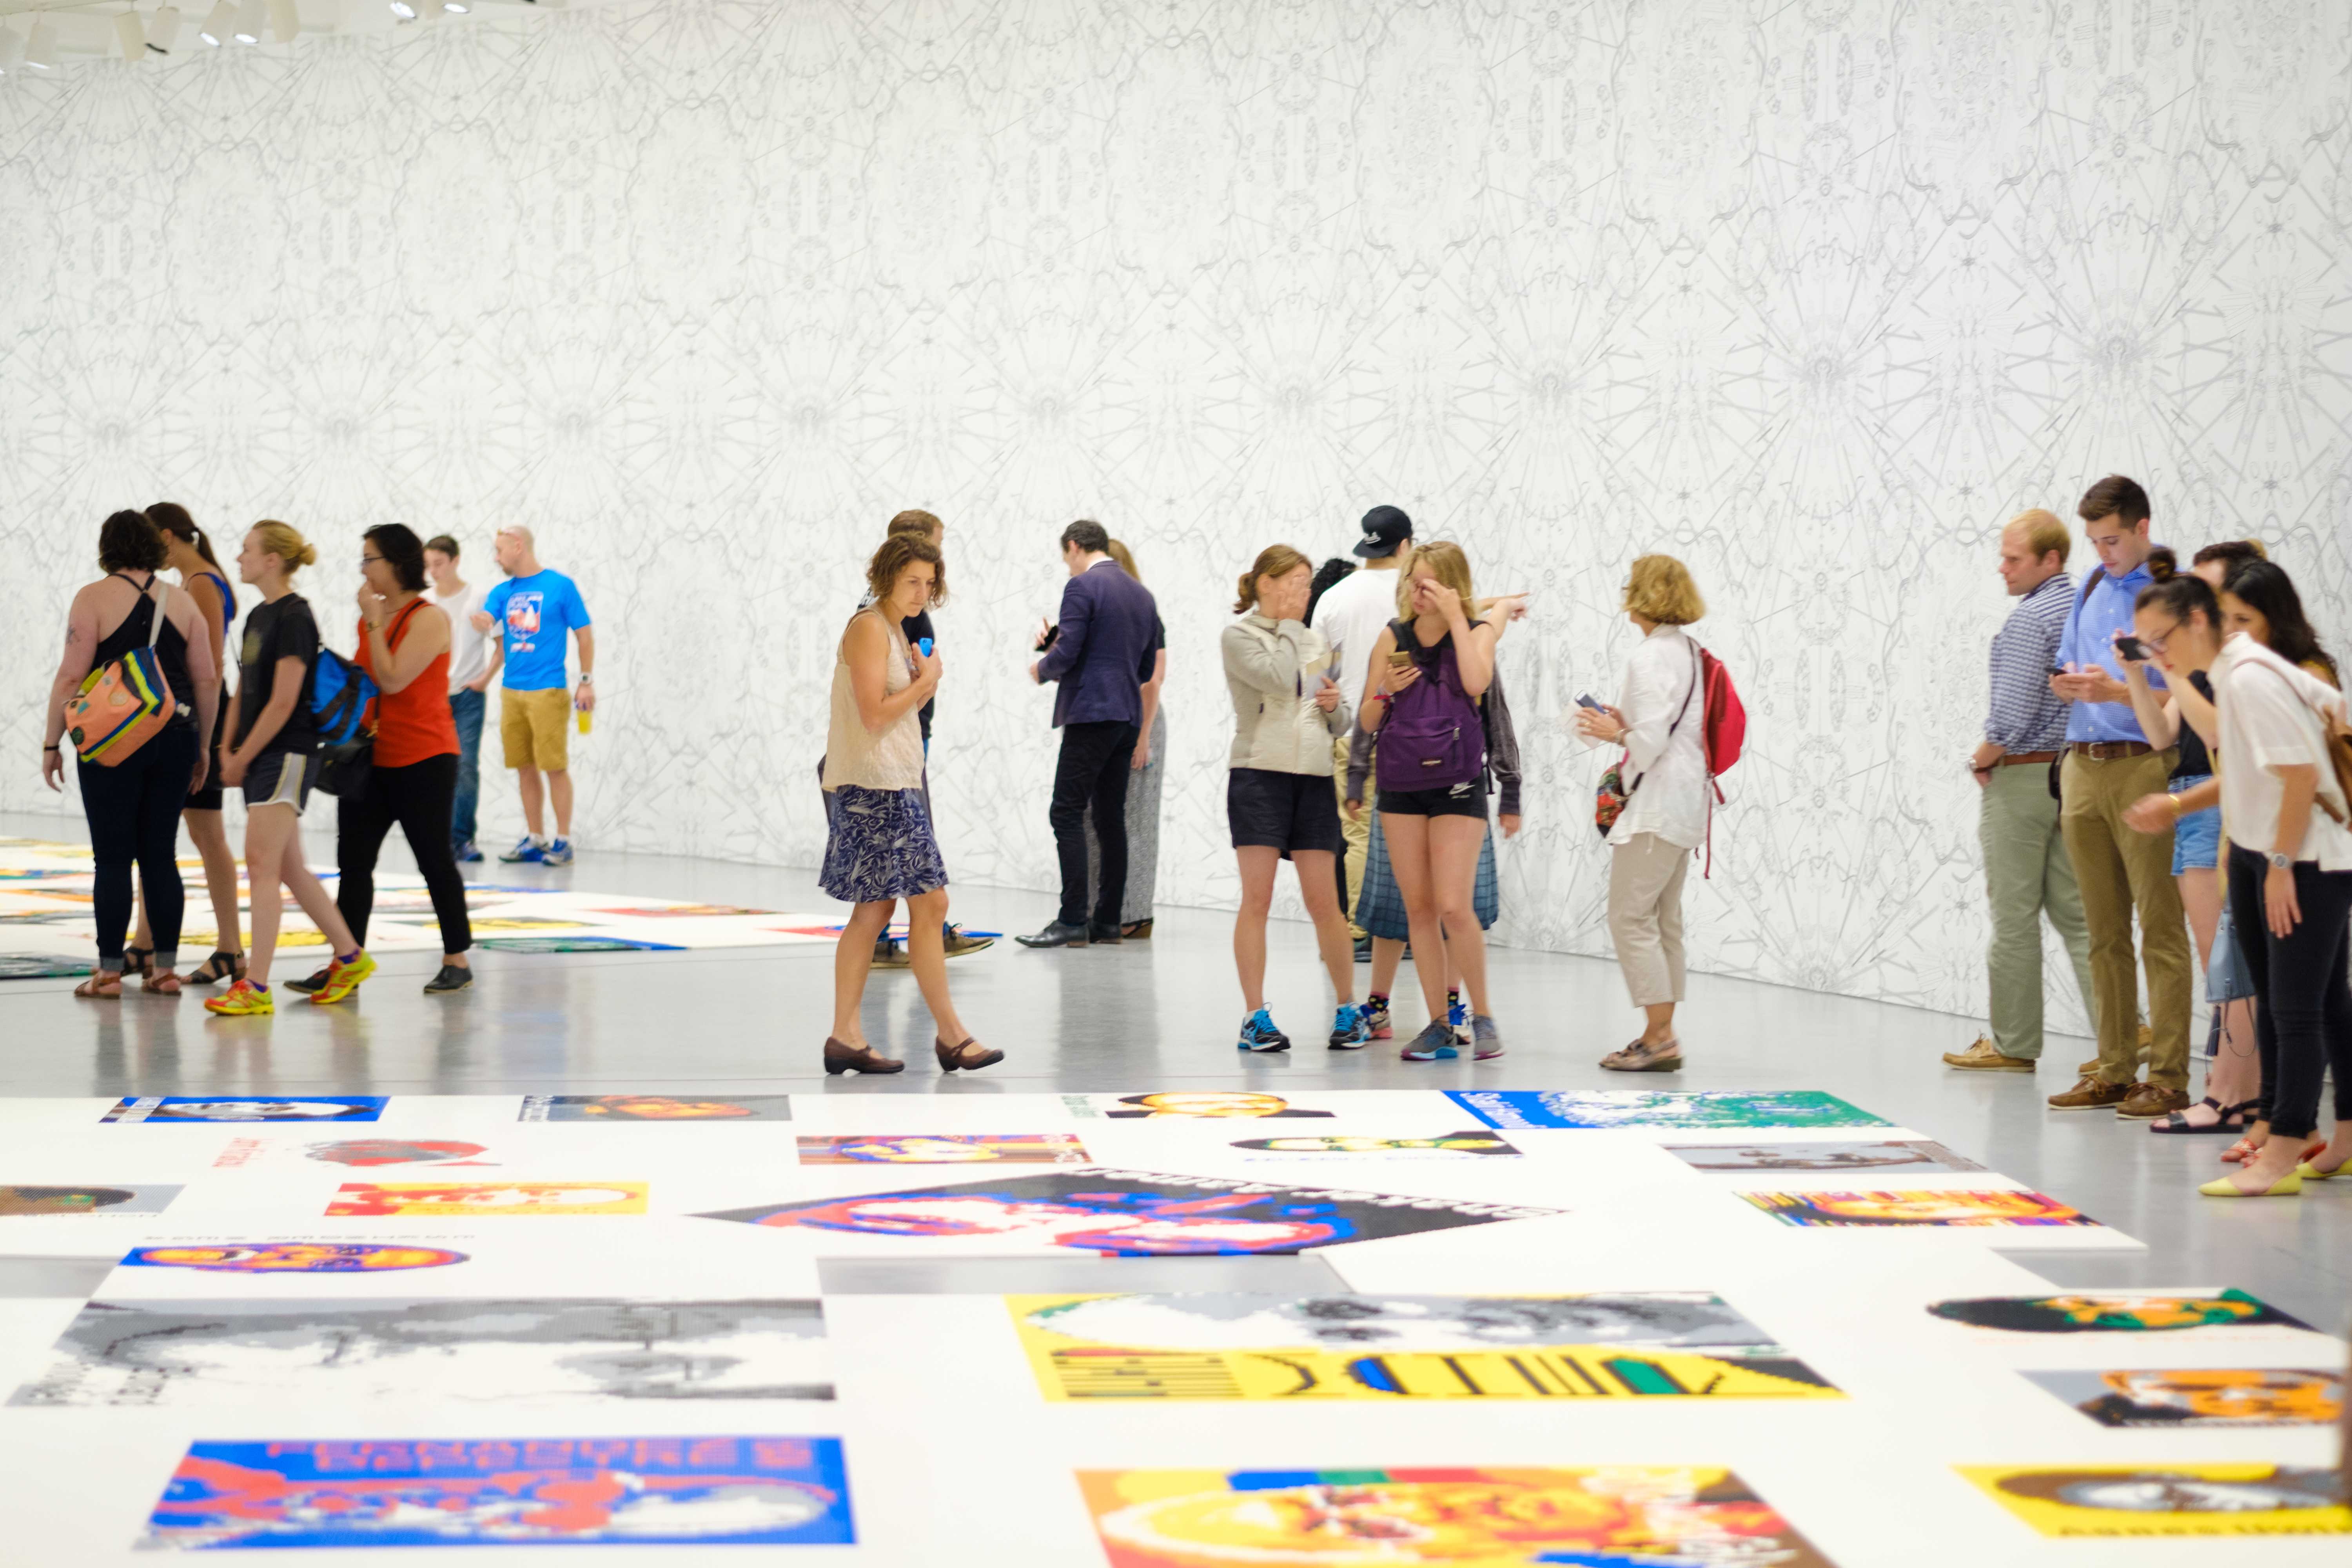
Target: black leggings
(134,815)
(418,797)
(2303,1015)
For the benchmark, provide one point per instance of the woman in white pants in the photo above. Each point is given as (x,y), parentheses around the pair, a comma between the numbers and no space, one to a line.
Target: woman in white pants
(1660,720)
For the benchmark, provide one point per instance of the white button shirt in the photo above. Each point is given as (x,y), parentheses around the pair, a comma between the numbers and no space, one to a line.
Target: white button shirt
(1661,685)
(2270,718)
(1351,615)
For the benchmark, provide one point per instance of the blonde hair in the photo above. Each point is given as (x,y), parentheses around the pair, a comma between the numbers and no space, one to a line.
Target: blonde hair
(1448,564)
(282,540)
(1274,561)
(1120,553)
(1660,590)
(2044,534)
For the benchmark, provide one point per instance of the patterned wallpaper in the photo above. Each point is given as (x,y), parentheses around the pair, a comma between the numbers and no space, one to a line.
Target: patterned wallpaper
(1812,294)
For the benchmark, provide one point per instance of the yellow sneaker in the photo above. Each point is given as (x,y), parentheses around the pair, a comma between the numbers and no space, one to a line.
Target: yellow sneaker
(342,979)
(241,1000)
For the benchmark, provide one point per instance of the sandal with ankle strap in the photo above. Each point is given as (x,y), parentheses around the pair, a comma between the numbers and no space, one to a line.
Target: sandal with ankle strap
(159,983)
(952,1060)
(222,965)
(2177,1121)
(102,986)
(137,960)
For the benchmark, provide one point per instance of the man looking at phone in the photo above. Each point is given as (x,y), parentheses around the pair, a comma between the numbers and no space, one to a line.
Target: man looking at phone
(1101,653)
(2027,872)
(1350,616)
(2109,765)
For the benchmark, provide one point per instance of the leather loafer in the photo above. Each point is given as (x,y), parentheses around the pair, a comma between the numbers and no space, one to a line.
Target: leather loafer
(1104,936)
(1056,934)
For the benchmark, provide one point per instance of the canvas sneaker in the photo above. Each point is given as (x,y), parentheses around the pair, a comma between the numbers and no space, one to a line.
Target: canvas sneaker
(528,852)
(557,854)
(1375,1013)
(1982,1057)
(467,854)
(1485,1039)
(1347,1030)
(1435,1043)
(1258,1034)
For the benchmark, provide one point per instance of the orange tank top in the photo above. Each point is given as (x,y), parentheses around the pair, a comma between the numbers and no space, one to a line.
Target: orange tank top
(412,724)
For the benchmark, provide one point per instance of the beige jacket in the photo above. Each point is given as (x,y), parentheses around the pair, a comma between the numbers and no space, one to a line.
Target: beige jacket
(1273,669)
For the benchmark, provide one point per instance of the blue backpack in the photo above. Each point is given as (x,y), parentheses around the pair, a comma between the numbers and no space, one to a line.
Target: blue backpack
(341,696)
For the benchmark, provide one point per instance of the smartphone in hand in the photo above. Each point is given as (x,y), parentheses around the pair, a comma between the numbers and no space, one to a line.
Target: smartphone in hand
(1584,700)
(2131,647)
(1047,635)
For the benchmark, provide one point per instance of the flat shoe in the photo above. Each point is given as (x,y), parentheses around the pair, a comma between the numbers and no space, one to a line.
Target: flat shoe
(2286,1187)
(950,1060)
(2310,1172)
(840,1058)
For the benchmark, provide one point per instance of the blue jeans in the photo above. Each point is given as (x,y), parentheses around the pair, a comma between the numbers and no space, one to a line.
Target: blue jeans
(466,708)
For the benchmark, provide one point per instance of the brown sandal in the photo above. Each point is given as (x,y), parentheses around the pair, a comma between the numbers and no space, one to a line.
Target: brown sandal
(101,985)
(137,960)
(840,1058)
(1639,1058)
(164,983)
(951,1060)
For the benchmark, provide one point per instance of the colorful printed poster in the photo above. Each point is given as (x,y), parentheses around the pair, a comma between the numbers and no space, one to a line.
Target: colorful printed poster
(1639,1108)
(656,1108)
(680,911)
(1911,1157)
(1474,1144)
(2169,1500)
(1622,1514)
(353,1152)
(511,1491)
(210,1354)
(251,1107)
(289,1256)
(1361,1347)
(2214,1396)
(945,1148)
(17,1202)
(2207,1317)
(1183,1105)
(1131,1214)
(1861,1210)
(378,1199)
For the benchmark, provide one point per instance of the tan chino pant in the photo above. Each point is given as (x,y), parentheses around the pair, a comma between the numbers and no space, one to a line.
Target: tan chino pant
(2028,874)
(1358,830)
(2121,872)
(1645,916)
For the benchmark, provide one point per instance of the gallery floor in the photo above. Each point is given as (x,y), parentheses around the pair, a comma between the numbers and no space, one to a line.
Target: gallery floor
(569,1341)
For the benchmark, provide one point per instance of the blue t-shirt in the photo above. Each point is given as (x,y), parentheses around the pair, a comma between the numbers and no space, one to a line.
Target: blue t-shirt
(536,615)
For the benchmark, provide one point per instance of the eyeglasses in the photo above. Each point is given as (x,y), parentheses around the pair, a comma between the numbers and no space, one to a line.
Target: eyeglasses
(370,560)
(2157,643)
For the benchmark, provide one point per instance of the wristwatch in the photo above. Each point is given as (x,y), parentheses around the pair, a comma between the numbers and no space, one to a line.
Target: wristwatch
(2280,862)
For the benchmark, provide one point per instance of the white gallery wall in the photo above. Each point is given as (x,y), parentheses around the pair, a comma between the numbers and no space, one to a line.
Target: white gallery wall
(1812,295)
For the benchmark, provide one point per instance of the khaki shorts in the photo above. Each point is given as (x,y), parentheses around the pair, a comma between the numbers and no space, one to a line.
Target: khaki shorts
(536,728)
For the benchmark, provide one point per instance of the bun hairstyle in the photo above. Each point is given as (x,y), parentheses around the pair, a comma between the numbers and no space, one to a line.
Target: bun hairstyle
(129,542)
(1274,561)
(174,519)
(286,543)
(2264,587)
(899,551)
(2178,593)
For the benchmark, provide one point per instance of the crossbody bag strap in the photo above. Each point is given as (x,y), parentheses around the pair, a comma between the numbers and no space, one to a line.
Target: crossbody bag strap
(1687,696)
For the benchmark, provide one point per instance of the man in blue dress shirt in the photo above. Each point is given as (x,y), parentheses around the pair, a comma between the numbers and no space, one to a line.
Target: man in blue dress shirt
(2109,765)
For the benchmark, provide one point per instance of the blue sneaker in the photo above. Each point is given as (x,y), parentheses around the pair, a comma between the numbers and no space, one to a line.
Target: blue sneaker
(1258,1034)
(1457,1017)
(1434,1043)
(557,854)
(467,854)
(528,852)
(1348,1030)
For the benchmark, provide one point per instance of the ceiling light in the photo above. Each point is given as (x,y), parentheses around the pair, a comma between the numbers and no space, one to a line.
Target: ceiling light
(250,19)
(131,36)
(41,53)
(456,8)
(163,31)
(285,20)
(12,49)
(217,25)
(405,9)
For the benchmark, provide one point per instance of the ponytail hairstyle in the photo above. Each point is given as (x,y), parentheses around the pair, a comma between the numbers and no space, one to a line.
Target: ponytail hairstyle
(2267,590)
(174,519)
(1118,551)
(899,550)
(283,540)
(1274,561)
(2178,593)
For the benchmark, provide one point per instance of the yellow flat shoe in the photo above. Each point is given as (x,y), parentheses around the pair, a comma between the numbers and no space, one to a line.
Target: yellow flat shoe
(2310,1172)
(2286,1187)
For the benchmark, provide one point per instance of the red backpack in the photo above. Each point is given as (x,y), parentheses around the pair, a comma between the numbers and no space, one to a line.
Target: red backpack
(1725,734)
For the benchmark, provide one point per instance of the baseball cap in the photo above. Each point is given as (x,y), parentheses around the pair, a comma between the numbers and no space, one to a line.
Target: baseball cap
(1385,528)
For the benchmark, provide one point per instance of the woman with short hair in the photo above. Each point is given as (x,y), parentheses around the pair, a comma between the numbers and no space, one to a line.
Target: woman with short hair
(132,800)
(1660,720)
(881,847)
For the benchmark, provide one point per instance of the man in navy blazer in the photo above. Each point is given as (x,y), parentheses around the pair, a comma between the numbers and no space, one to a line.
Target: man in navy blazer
(1101,654)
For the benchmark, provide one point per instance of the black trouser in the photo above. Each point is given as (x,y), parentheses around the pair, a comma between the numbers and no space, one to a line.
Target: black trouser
(419,797)
(1093,771)
(2302,1013)
(134,815)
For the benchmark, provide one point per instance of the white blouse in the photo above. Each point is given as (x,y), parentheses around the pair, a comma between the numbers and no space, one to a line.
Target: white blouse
(2270,718)
(1661,686)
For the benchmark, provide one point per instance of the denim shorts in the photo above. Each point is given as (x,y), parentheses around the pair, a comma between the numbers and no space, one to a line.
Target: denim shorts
(2196,837)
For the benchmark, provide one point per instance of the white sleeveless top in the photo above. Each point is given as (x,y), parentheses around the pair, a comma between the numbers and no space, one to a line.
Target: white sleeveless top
(892,759)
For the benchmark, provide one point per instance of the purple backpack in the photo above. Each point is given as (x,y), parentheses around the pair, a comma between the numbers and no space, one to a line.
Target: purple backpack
(1435,738)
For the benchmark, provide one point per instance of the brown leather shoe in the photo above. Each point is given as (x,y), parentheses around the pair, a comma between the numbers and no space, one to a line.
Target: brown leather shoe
(2091,1068)
(839,1059)
(2146,1101)
(1982,1057)
(2090,1094)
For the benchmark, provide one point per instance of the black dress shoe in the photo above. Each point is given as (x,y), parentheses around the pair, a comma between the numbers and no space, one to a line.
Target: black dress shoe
(1104,936)
(451,978)
(1056,934)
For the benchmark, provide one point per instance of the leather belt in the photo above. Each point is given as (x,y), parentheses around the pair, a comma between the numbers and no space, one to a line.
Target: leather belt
(2014,759)
(2109,751)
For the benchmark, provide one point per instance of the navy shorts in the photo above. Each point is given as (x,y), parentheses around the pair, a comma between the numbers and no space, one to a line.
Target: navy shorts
(1283,811)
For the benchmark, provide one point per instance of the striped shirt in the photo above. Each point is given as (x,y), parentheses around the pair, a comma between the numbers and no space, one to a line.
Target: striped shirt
(2026,716)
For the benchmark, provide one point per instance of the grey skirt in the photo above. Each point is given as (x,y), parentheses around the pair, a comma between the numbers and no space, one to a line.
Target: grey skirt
(1380,908)
(881,846)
